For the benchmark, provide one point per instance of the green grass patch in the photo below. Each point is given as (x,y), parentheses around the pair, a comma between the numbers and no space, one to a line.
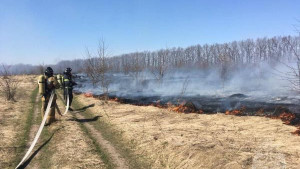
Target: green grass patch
(103,154)
(24,137)
(46,153)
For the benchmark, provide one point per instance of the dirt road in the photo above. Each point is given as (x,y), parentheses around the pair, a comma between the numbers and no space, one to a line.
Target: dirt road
(63,145)
(70,142)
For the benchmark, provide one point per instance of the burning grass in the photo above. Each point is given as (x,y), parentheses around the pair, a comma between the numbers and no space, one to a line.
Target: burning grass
(182,106)
(88,94)
(179,140)
(237,112)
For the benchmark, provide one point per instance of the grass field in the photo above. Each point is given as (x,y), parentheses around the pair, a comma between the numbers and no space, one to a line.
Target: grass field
(142,136)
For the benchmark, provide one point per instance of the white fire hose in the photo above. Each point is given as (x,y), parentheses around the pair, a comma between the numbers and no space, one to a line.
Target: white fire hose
(39,131)
(43,124)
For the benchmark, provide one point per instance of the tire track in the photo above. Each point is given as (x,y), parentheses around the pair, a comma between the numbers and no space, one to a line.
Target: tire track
(70,146)
(117,159)
(34,159)
(109,150)
(33,130)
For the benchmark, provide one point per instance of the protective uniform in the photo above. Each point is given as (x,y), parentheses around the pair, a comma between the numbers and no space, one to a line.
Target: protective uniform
(68,84)
(50,83)
(59,79)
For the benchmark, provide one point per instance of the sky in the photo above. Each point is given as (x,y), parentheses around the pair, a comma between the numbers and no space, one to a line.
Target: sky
(48,31)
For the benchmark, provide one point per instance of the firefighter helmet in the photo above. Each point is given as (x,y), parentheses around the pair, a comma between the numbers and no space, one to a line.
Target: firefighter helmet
(49,72)
(68,71)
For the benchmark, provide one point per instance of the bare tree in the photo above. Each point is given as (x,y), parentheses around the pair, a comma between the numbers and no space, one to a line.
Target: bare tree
(184,86)
(8,84)
(90,67)
(293,75)
(239,53)
(103,67)
(136,66)
(224,68)
(97,67)
(160,68)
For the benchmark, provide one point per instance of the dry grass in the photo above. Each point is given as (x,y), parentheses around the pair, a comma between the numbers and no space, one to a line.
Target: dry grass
(174,140)
(70,147)
(13,119)
(169,139)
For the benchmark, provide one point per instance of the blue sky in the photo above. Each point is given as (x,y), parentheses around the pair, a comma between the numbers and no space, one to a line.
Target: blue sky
(46,31)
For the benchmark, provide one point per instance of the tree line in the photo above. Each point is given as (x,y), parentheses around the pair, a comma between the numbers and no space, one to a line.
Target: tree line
(236,53)
(226,55)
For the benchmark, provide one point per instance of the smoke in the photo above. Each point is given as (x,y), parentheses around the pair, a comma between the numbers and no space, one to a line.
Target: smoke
(261,82)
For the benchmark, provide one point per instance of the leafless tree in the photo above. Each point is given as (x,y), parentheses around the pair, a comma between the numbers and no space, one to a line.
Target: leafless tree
(8,84)
(103,68)
(97,67)
(184,86)
(292,63)
(136,67)
(160,68)
(238,53)
(293,75)
(90,67)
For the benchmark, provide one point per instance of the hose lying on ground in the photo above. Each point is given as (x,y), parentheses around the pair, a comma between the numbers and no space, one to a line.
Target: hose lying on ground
(39,131)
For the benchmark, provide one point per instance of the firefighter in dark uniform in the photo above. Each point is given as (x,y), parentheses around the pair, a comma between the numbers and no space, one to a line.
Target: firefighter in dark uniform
(68,84)
(47,83)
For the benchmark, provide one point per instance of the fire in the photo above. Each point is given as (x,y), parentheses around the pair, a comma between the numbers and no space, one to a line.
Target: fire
(184,107)
(181,108)
(158,104)
(236,112)
(287,118)
(115,99)
(88,94)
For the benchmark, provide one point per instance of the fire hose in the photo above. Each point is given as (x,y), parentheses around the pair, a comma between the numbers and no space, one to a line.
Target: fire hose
(39,131)
(43,124)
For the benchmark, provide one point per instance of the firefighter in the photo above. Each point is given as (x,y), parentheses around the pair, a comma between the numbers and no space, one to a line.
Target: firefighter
(59,80)
(68,84)
(47,83)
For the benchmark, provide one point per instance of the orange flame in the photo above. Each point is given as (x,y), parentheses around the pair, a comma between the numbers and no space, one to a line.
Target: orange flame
(184,107)
(88,94)
(236,111)
(115,99)
(287,117)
